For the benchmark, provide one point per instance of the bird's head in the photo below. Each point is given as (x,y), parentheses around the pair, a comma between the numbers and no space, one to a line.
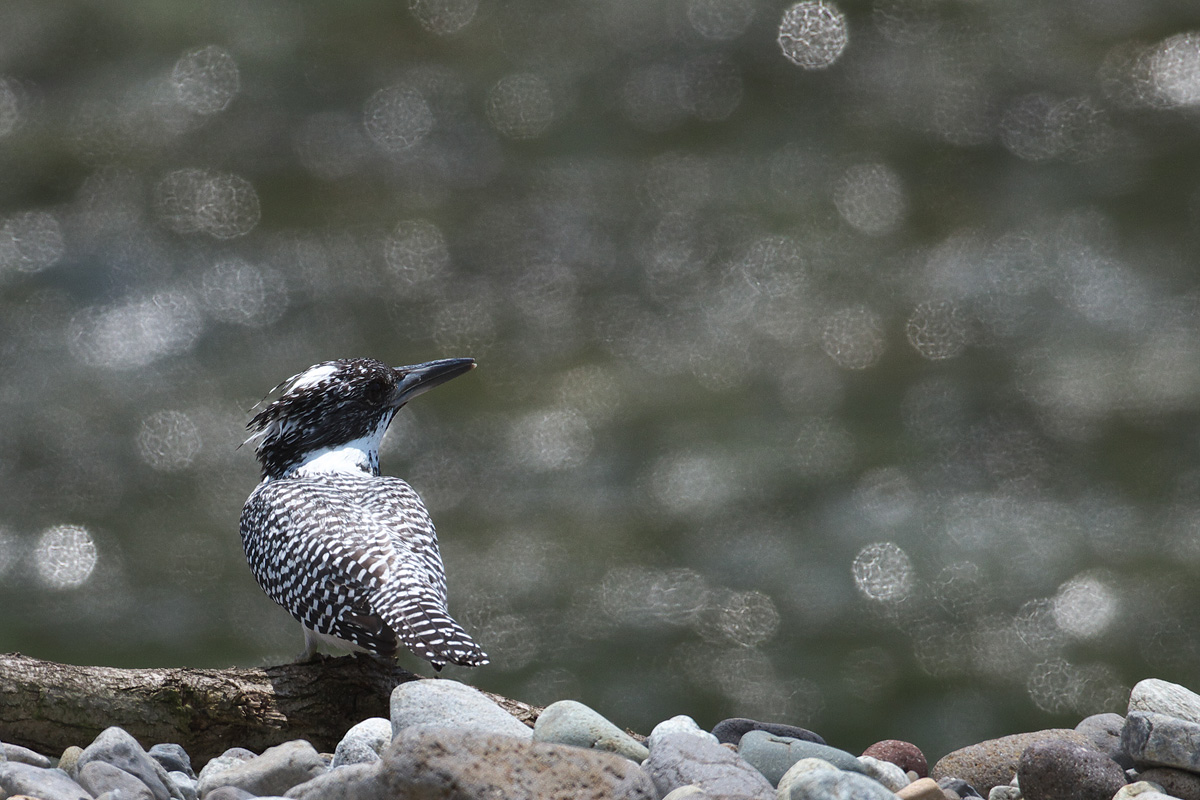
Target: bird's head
(339,410)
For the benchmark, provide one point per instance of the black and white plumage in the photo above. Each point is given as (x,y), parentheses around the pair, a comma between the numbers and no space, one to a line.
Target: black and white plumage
(351,554)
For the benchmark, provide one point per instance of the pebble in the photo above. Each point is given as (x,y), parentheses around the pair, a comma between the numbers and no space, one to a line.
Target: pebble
(678,724)
(278,769)
(922,789)
(994,762)
(678,759)
(569,722)
(959,788)
(228,793)
(1175,782)
(774,755)
(686,793)
(1104,733)
(173,758)
(903,754)
(799,768)
(226,761)
(23,755)
(350,782)
(99,777)
(1147,790)
(429,762)
(363,743)
(1157,740)
(885,772)
(835,784)
(450,704)
(1057,770)
(1164,697)
(1005,793)
(68,762)
(730,731)
(186,784)
(47,784)
(116,747)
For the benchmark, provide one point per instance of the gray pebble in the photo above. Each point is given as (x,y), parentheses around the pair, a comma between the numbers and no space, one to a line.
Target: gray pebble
(186,784)
(1175,782)
(99,777)
(23,755)
(885,772)
(446,703)
(731,731)
(824,784)
(229,793)
(1157,740)
(116,747)
(678,724)
(278,769)
(173,758)
(68,762)
(1005,793)
(1066,771)
(1147,790)
(686,793)
(960,787)
(363,743)
(47,784)
(774,755)
(1164,697)
(1104,733)
(679,759)
(349,782)
(227,760)
(796,770)
(569,722)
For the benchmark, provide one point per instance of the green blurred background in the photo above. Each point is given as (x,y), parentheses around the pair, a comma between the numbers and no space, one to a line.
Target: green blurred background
(839,364)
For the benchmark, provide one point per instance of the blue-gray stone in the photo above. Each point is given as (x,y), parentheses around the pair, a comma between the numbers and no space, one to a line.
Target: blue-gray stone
(774,755)
(172,757)
(801,767)
(229,793)
(678,724)
(227,760)
(348,782)
(1163,697)
(23,755)
(1157,740)
(186,784)
(450,704)
(679,759)
(363,743)
(826,784)
(731,731)
(48,784)
(116,747)
(569,722)
(99,777)
(278,769)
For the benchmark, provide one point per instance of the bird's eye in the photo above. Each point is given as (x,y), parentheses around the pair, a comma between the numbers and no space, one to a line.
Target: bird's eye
(375,392)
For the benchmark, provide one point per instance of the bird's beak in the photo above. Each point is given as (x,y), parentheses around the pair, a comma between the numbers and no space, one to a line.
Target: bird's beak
(420,378)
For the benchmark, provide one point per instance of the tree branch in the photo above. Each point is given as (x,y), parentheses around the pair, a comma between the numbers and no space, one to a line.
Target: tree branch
(47,706)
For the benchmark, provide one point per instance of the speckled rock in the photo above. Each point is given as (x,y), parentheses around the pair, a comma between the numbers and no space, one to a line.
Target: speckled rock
(1164,697)
(172,757)
(569,722)
(1146,790)
(227,760)
(1005,793)
(363,743)
(1175,782)
(774,755)
(1064,771)
(450,704)
(445,763)
(884,772)
(68,762)
(678,724)
(99,777)
(1157,740)
(116,747)
(23,755)
(679,759)
(835,784)
(47,784)
(922,789)
(731,731)
(903,754)
(994,762)
(1104,733)
(349,782)
(796,770)
(278,769)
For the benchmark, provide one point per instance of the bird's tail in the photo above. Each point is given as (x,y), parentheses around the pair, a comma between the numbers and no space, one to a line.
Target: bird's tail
(425,628)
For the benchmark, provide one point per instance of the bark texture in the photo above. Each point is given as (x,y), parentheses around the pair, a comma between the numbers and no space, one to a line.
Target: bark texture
(47,706)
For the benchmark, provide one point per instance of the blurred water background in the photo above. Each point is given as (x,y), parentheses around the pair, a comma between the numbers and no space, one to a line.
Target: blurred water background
(839,363)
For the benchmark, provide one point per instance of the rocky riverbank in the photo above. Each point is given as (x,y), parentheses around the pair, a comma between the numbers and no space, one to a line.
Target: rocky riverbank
(447,740)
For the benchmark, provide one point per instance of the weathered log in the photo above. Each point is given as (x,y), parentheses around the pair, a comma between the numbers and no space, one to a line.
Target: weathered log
(47,706)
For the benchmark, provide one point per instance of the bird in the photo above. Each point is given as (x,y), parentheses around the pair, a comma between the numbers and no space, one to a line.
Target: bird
(351,554)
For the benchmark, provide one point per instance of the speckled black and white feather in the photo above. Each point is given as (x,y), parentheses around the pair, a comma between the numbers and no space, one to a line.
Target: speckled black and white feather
(350,554)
